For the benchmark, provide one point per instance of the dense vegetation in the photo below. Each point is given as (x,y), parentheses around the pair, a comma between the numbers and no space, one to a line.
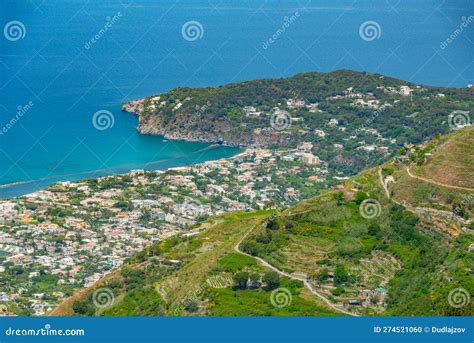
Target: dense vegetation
(335,243)
(147,284)
(430,264)
(217,114)
(365,246)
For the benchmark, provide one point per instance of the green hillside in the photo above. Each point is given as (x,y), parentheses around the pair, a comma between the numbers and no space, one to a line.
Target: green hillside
(450,161)
(354,120)
(383,242)
(172,277)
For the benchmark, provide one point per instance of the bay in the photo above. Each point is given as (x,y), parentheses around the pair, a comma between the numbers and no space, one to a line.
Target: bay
(78,57)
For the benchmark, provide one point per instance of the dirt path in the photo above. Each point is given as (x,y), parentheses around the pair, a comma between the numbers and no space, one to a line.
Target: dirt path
(384,185)
(438,183)
(282,273)
(417,210)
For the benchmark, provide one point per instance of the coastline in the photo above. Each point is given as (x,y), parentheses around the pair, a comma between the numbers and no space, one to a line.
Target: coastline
(106,172)
(247,151)
(7,185)
(135,107)
(152,124)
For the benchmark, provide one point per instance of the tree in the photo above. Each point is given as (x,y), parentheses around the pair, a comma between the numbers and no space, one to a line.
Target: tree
(338,291)
(340,275)
(323,275)
(124,205)
(264,238)
(360,196)
(339,197)
(80,307)
(234,113)
(241,279)
(457,209)
(272,279)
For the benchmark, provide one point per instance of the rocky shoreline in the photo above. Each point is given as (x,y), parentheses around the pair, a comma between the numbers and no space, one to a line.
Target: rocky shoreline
(152,124)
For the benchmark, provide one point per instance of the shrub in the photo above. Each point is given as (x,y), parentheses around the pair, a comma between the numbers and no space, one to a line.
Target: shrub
(272,280)
(360,196)
(241,279)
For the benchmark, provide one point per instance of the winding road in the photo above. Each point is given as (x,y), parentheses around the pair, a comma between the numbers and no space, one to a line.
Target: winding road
(282,273)
(305,280)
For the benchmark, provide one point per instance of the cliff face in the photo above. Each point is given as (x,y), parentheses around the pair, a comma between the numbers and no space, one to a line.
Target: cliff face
(136,106)
(150,124)
(189,127)
(147,123)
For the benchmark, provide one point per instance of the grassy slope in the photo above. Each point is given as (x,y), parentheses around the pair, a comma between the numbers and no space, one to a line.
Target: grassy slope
(209,253)
(409,253)
(452,161)
(430,246)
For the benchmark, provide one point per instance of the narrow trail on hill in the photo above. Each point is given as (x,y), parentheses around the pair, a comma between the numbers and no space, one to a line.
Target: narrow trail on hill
(384,185)
(437,183)
(417,210)
(282,273)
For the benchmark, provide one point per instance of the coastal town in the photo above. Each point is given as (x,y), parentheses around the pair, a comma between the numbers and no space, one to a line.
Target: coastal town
(71,234)
(237,171)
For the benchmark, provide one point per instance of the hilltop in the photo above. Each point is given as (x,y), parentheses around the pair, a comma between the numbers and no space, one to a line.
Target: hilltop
(449,161)
(353,120)
(383,242)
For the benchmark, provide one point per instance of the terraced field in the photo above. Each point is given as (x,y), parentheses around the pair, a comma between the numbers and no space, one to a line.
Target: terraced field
(382,242)
(452,162)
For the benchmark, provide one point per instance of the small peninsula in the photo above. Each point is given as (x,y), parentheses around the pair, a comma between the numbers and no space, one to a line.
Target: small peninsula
(353,120)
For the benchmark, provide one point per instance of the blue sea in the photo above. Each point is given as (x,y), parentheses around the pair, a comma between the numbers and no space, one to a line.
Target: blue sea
(63,61)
